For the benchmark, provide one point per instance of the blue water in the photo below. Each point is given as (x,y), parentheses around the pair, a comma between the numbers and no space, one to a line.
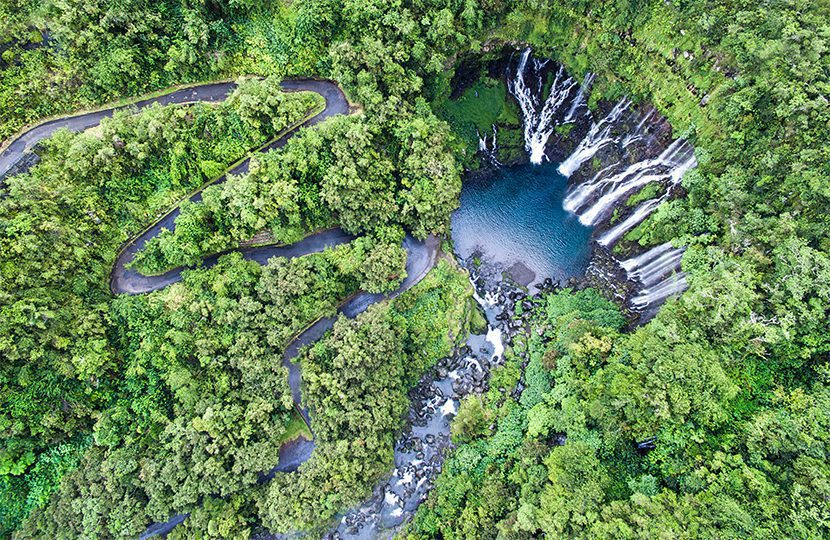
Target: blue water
(517,216)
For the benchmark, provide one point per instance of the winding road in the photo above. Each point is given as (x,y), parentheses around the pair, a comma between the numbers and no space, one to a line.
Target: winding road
(421,254)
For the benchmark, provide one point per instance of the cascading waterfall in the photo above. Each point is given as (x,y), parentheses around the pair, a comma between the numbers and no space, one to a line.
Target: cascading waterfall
(653,273)
(538,124)
(577,197)
(579,101)
(580,196)
(637,134)
(484,147)
(669,166)
(649,267)
(637,216)
(594,199)
(632,264)
(598,136)
(675,283)
(658,271)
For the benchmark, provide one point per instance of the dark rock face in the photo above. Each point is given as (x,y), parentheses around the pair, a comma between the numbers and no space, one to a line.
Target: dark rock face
(521,274)
(29,160)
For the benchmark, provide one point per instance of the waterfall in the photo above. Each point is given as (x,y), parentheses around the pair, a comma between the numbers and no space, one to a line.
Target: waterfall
(670,166)
(538,125)
(576,198)
(598,136)
(658,271)
(636,217)
(579,100)
(637,134)
(482,142)
(673,284)
(580,195)
(490,153)
(652,270)
(633,263)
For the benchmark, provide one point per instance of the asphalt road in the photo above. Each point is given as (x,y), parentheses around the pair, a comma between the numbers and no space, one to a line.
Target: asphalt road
(124,280)
(14,152)
(420,258)
(421,254)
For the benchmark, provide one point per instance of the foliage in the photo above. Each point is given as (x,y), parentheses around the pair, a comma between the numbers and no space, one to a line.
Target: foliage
(204,406)
(355,383)
(607,391)
(61,227)
(730,380)
(368,177)
(741,347)
(477,110)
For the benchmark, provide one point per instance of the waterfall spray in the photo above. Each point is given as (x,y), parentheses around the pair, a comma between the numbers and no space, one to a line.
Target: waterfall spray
(637,216)
(673,284)
(538,124)
(630,265)
(490,153)
(669,166)
(637,134)
(579,101)
(598,136)
(658,271)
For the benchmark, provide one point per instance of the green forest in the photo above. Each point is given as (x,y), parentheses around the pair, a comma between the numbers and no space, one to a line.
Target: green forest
(118,411)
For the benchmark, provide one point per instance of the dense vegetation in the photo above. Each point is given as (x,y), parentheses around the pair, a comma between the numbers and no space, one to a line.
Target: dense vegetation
(591,383)
(62,225)
(730,381)
(372,177)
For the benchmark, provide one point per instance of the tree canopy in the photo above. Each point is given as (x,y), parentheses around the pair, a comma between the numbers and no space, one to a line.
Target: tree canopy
(709,421)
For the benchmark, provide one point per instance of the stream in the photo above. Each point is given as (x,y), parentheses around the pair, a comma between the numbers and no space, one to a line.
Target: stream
(512,234)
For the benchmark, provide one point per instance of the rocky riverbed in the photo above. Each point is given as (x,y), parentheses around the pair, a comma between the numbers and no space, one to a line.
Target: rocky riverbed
(422,447)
